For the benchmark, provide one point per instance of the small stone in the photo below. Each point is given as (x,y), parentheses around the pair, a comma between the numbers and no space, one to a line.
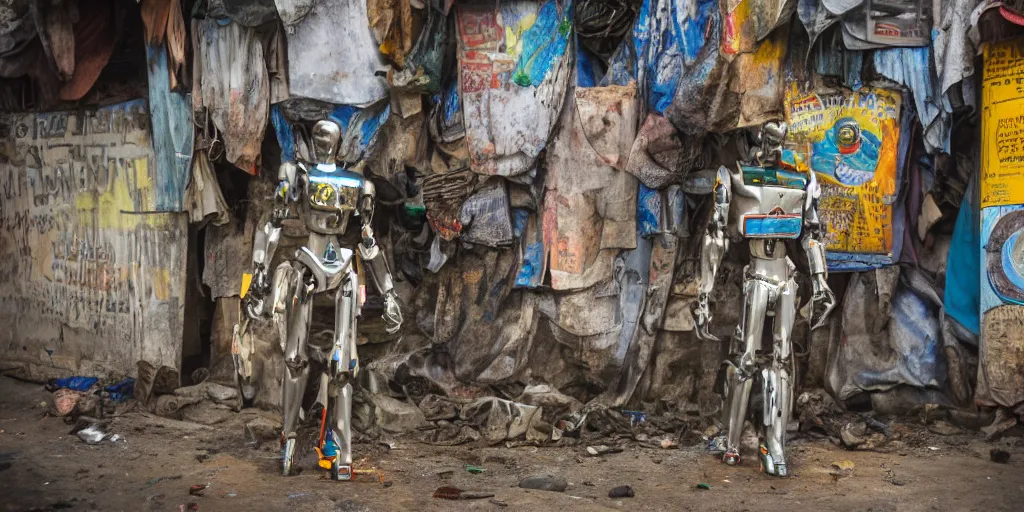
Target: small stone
(622,491)
(544,483)
(943,428)
(667,443)
(656,461)
(999,456)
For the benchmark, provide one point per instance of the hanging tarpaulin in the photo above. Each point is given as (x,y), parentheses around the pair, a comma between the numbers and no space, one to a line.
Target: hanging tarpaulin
(1001,354)
(173,133)
(851,140)
(513,73)
(332,55)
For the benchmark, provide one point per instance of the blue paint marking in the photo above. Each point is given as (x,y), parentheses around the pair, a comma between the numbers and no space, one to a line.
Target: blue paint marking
(544,43)
(1011,268)
(342,114)
(648,211)
(284,133)
(772,227)
(520,217)
(529,273)
(173,134)
(452,104)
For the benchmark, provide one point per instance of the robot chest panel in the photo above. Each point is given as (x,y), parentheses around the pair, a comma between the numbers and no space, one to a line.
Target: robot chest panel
(334,192)
(769,212)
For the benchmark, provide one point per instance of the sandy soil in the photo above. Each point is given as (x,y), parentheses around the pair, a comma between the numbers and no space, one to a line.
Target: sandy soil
(43,468)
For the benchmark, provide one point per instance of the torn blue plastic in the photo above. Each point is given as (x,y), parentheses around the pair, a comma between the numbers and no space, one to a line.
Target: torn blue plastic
(648,211)
(544,43)
(963,267)
(667,43)
(173,134)
(342,114)
(284,133)
(911,67)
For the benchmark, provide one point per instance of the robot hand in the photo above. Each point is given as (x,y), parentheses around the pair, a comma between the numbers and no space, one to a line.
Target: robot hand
(702,319)
(822,301)
(392,314)
(255,298)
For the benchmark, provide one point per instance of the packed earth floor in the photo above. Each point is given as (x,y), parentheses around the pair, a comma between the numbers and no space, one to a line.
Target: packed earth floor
(159,461)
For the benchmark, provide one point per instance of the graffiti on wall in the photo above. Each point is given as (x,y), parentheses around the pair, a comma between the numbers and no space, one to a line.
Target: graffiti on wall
(90,271)
(850,140)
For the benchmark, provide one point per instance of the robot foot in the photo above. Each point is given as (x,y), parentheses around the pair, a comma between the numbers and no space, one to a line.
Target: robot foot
(770,466)
(287,456)
(732,457)
(341,472)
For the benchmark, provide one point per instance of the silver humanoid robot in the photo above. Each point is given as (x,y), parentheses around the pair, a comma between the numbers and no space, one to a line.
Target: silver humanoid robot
(325,197)
(766,204)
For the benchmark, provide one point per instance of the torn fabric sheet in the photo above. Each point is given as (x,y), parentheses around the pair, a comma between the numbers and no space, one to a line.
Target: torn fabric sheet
(173,133)
(891,336)
(230,79)
(343,74)
(590,204)
(911,67)
(511,98)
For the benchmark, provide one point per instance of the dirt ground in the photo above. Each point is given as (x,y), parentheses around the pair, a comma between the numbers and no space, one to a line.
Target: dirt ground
(44,468)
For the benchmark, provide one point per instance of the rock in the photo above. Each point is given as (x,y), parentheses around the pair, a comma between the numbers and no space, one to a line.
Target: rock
(667,444)
(595,451)
(853,434)
(261,429)
(841,469)
(396,416)
(220,393)
(711,432)
(436,407)
(544,483)
(943,428)
(205,413)
(351,506)
(999,456)
(622,491)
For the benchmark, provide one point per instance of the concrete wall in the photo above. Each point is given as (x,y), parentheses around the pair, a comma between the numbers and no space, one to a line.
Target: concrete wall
(92,274)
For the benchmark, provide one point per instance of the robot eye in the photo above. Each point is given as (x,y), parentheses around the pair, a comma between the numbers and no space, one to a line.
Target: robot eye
(848,135)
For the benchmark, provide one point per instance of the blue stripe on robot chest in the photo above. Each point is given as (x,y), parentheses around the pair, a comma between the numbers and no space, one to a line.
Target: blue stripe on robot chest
(772,226)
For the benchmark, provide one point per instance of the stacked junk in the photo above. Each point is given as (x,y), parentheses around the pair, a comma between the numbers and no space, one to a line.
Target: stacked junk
(544,171)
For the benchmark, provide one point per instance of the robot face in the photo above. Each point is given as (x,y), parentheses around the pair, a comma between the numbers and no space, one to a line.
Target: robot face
(326,135)
(848,137)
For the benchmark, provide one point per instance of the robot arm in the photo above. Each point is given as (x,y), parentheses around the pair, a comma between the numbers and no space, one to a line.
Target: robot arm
(813,243)
(370,253)
(267,238)
(713,248)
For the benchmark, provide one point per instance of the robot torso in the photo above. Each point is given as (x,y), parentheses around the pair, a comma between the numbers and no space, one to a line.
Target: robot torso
(767,202)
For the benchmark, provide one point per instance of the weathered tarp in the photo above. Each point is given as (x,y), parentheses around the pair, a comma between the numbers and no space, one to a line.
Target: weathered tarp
(173,133)
(332,56)
(590,203)
(513,73)
(230,81)
(891,335)
(93,272)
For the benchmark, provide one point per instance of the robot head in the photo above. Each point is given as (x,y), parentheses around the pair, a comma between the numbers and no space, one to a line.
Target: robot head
(326,135)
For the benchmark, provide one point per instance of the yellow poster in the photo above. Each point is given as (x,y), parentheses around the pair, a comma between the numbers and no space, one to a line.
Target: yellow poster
(1002,124)
(850,140)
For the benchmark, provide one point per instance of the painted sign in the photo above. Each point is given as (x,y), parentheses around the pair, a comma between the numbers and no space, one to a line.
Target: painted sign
(1002,124)
(850,139)
(1001,351)
(91,272)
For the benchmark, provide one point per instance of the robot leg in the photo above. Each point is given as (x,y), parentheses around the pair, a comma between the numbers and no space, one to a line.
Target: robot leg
(739,374)
(346,364)
(296,360)
(778,385)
